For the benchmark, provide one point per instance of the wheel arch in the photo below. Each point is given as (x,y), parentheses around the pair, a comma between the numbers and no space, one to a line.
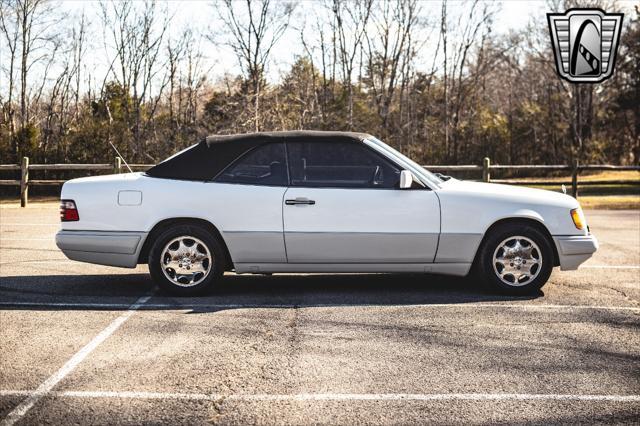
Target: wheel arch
(534,221)
(165,224)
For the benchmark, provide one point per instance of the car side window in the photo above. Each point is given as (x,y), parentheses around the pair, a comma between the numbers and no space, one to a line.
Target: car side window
(264,165)
(339,165)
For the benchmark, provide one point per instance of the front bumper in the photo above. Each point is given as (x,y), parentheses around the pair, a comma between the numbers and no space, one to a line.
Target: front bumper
(102,247)
(574,250)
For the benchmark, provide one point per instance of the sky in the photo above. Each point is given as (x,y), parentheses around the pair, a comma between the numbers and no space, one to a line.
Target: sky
(201,16)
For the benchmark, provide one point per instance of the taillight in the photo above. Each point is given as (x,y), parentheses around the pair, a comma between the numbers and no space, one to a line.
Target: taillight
(68,211)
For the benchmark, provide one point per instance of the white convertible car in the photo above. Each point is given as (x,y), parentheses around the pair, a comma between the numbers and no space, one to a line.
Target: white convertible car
(316,202)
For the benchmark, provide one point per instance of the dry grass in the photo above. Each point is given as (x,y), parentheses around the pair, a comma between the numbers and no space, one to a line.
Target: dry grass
(610,202)
(9,202)
(613,194)
(590,176)
(611,175)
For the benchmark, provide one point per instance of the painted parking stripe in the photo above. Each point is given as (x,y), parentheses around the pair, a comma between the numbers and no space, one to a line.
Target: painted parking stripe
(610,267)
(339,396)
(45,388)
(28,224)
(80,305)
(51,238)
(173,306)
(34,261)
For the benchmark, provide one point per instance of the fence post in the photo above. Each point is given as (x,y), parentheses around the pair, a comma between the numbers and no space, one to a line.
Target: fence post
(486,174)
(574,178)
(117,164)
(24,182)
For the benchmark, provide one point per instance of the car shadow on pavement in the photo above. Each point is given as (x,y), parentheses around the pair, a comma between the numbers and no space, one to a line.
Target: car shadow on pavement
(237,291)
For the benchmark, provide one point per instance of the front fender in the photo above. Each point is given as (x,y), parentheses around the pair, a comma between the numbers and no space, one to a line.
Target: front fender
(468,216)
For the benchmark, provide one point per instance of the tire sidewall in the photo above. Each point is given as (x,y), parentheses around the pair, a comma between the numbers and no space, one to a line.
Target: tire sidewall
(499,235)
(203,235)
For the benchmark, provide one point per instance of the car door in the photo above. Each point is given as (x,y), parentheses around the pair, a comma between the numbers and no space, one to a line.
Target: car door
(344,206)
(248,202)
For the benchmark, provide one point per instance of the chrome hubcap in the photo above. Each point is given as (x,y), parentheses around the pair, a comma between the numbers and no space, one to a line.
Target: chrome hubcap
(517,261)
(186,261)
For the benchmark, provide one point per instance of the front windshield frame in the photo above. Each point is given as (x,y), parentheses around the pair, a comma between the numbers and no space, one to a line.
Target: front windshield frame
(420,172)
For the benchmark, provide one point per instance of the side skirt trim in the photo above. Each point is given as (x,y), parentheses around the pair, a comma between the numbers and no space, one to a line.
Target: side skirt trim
(458,269)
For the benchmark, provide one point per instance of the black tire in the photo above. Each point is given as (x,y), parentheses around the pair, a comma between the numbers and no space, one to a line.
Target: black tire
(200,284)
(485,264)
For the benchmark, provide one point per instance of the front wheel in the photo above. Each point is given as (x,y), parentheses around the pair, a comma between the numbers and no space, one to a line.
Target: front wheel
(186,260)
(516,259)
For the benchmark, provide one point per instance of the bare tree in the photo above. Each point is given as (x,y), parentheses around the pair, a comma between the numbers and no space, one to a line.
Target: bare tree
(193,77)
(10,31)
(62,104)
(388,50)
(27,26)
(475,24)
(175,54)
(79,49)
(186,78)
(443,37)
(253,34)
(137,33)
(36,17)
(320,47)
(350,21)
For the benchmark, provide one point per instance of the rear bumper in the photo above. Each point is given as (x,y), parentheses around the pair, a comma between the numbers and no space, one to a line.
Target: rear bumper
(574,250)
(104,248)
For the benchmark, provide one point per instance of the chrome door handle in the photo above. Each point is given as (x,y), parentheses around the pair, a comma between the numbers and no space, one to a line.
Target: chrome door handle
(299,201)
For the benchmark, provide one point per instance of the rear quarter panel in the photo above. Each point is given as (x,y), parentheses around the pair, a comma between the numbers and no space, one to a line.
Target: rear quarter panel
(248,217)
(227,206)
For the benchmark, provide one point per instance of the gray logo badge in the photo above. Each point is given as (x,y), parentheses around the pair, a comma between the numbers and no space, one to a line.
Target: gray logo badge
(585,42)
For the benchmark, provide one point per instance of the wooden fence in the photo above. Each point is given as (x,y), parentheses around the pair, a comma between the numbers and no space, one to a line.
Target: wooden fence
(486,168)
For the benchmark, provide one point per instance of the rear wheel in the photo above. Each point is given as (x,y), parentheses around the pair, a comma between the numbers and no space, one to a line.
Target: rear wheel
(186,260)
(516,259)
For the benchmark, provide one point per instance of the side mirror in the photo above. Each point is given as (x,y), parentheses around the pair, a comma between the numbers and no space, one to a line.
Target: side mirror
(406,179)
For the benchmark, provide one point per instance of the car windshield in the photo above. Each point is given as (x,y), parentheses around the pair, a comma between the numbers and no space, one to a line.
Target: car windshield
(422,173)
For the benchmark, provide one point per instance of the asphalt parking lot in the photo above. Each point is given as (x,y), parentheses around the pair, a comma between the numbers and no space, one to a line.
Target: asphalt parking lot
(90,344)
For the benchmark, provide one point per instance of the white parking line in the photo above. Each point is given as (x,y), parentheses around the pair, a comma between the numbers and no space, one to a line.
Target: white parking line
(81,305)
(28,224)
(610,267)
(51,238)
(339,396)
(45,388)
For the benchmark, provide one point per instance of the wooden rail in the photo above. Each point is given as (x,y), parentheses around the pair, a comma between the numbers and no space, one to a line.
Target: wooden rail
(117,167)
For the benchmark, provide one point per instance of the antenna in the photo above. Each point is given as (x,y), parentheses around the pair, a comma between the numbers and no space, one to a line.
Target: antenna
(119,155)
(109,139)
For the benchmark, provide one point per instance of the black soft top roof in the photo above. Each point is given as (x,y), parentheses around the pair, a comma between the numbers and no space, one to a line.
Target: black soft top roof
(213,154)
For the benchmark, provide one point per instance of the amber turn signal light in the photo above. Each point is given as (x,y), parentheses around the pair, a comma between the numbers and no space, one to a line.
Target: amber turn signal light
(578,218)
